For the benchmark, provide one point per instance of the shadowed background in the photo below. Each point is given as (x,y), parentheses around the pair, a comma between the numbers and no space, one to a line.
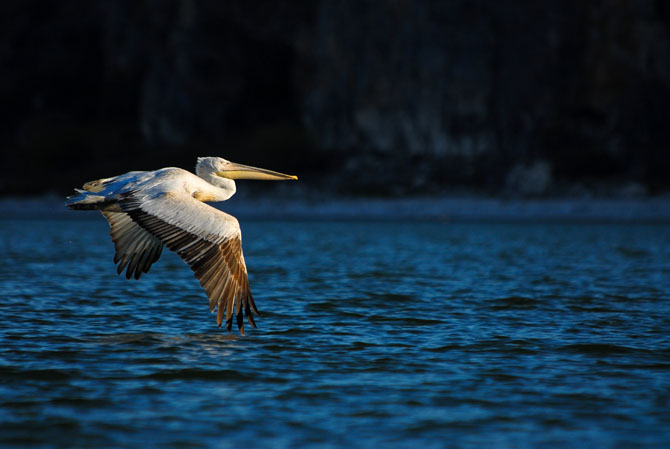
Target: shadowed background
(364,97)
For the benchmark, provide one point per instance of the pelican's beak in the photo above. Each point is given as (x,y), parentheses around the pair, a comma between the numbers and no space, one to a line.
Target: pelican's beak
(239,171)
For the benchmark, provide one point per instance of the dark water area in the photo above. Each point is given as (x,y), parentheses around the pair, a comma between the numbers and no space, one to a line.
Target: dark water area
(373,334)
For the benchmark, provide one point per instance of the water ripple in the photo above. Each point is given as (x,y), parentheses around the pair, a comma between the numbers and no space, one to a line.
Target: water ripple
(371,335)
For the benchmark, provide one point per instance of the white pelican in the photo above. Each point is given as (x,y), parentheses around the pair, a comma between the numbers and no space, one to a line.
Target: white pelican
(149,209)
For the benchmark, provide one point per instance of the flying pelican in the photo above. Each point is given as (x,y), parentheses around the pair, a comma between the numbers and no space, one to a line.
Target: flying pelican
(149,209)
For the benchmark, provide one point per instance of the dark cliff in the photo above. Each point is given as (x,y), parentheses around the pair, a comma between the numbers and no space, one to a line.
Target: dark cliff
(389,97)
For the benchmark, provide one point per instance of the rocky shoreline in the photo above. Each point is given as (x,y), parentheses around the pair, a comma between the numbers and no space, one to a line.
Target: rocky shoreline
(391,98)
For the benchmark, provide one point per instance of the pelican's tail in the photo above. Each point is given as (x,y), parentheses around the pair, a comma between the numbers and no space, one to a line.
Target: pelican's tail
(97,185)
(84,200)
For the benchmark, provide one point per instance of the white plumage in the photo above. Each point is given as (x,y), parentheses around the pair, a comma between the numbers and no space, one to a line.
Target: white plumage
(149,209)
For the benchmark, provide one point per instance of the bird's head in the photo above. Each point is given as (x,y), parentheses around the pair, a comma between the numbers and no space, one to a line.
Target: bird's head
(218,166)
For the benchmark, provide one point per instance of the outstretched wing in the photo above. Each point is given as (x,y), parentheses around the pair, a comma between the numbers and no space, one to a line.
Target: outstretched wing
(135,248)
(209,241)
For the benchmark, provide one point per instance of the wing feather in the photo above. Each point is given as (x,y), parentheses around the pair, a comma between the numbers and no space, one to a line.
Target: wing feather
(208,240)
(135,248)
(139,242)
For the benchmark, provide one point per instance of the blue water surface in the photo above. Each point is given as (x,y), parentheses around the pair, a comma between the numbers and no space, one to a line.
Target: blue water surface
(373,334)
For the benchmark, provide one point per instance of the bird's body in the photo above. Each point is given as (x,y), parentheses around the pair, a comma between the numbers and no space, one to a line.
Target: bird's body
(149,209)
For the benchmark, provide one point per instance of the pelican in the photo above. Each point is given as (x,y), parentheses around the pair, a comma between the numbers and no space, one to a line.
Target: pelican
(149,209)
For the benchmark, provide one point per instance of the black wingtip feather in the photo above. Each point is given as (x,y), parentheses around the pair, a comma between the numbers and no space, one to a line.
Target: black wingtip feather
(240,321)
(251,321)
(247,312)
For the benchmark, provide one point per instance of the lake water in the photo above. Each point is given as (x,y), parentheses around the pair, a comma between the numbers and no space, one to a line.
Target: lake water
(373,334)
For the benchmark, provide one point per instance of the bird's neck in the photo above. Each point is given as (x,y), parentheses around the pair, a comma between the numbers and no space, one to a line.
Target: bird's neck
(220,189)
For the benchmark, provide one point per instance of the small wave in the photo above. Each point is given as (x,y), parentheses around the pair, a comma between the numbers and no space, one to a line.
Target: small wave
(599,348)
(514,302)
(198,374)
(403,319)
(390,298)
(325,306)
(293,331)
(632,253)
(369,413)
(49,374)
(655,366)
(445,348)
(140,339)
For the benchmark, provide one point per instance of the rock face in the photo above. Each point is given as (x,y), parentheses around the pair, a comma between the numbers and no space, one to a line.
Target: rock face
(467,92)
(396,96)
